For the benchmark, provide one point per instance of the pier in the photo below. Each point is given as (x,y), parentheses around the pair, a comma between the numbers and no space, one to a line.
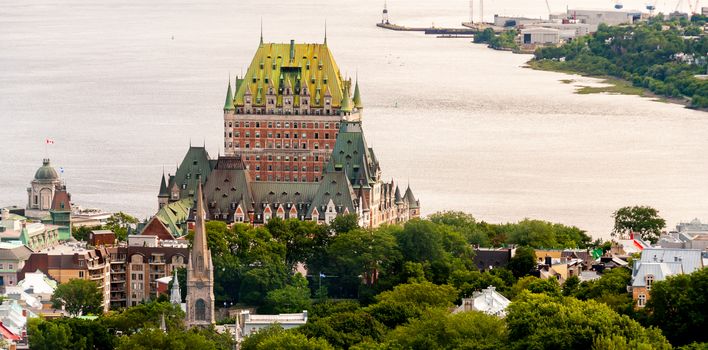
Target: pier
(447,32)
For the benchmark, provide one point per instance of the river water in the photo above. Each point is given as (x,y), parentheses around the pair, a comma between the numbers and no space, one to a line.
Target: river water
(123,87)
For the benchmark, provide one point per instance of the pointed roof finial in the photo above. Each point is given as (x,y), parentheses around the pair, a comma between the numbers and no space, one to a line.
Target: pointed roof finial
(325,38)
(261,30)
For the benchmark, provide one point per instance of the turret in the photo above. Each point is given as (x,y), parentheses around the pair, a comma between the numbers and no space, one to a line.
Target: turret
(229,104)
(357,96)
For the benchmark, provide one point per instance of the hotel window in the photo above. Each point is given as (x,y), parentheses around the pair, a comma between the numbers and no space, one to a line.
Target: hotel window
(248,134)
(304,158)
(317,135)
(248,125)
(258,125)
(295,135)
(270,124)
(258,145)
(270,134)
(287,125)
(327,135)
(9,266)
(317,125)
(326,125)
(641,300)
(258,167)
(304,146)
(248,145)
(304,168)
(317,146)
(295,125)
(1,267)
(258,178)
(287,135)
(277,124)
(258,134)
(236,125)
(258,157)
(277,135)
(81,274)
(237,134)
(270,157)
(304,135)
(270,168)
(287,158)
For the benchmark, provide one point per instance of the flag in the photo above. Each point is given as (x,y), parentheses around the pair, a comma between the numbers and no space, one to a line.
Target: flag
(322,275)
(49,141)
(61,170)
(597,253)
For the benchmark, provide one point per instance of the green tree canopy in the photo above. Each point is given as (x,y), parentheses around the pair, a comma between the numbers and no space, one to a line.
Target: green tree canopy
(438,329)
(275,338)
(523,262)
(78,297)
(641,220)
(538,321)
(678,306)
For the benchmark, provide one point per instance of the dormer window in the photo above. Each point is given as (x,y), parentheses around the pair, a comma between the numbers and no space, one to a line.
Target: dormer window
(649,281)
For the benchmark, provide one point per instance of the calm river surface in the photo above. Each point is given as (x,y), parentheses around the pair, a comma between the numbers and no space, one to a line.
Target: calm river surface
(122,86)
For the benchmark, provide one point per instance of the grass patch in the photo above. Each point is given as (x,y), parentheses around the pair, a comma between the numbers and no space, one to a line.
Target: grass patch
(615,86)
(567,81)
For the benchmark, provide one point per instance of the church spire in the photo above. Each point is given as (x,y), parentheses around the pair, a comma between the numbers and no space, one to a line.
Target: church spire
(199,246)
(175,293)
(261,30)
(325,38)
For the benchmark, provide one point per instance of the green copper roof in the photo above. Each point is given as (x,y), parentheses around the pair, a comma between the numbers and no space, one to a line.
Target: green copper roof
(350,154)
(163,188)
(412,202)
(357,96)
(46,172)
(195,166)
(174,215)
(346,102)
(229,104)
(397,196)
(309,65)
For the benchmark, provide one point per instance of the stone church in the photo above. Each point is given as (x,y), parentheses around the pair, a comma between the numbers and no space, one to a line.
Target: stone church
(200,272)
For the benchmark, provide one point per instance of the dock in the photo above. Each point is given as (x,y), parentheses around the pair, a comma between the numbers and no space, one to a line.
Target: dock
(447,32)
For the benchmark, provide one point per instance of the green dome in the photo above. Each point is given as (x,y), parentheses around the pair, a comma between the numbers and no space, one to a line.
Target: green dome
(46,172)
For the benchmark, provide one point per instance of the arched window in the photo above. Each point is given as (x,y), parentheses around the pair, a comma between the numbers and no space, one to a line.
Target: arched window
(642,300)
(200,310)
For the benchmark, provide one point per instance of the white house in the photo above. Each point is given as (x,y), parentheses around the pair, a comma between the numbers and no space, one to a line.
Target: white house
(488,301)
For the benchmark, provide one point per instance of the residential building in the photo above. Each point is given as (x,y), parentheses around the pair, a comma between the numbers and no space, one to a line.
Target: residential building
(35,235)
(34,291)
(200,272)
(136,267)
(12,260)
(102,238)
(487,300)
(252,323)
(656,264)
(491,258)
(72,260)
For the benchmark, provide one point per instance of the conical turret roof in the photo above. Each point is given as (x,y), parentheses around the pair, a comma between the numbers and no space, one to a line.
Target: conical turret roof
(164,192)
(357,96)
(229,104)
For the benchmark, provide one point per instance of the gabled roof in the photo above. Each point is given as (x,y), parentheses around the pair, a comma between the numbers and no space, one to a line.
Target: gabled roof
(310,65)
(229,183)
(335,186)
(61,200)
(173,215)
(351,154)
(195,166)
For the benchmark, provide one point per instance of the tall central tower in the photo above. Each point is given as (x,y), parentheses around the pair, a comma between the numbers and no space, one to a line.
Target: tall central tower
(200,273)
(284,114)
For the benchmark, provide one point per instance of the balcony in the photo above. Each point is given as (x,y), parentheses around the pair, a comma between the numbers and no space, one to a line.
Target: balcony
(157,261)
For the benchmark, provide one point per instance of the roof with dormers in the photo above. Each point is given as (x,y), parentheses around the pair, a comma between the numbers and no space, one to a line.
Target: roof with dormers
(299,65)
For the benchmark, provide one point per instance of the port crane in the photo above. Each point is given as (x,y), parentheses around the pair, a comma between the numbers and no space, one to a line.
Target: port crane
(692,7)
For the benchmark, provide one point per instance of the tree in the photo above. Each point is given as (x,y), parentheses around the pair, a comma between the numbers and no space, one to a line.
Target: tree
(78,297)
(438,329)
(48,335)
(276,338)
(81,233)
(151,338)
(538,321)
(290,299)
(119,224)
(344,223)
(641,220)
(345,329)
(523,262)
(145,315)
(409,301)
(678,306)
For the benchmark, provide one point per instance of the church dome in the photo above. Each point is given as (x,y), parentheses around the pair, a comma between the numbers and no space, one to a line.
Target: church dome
(46,172)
